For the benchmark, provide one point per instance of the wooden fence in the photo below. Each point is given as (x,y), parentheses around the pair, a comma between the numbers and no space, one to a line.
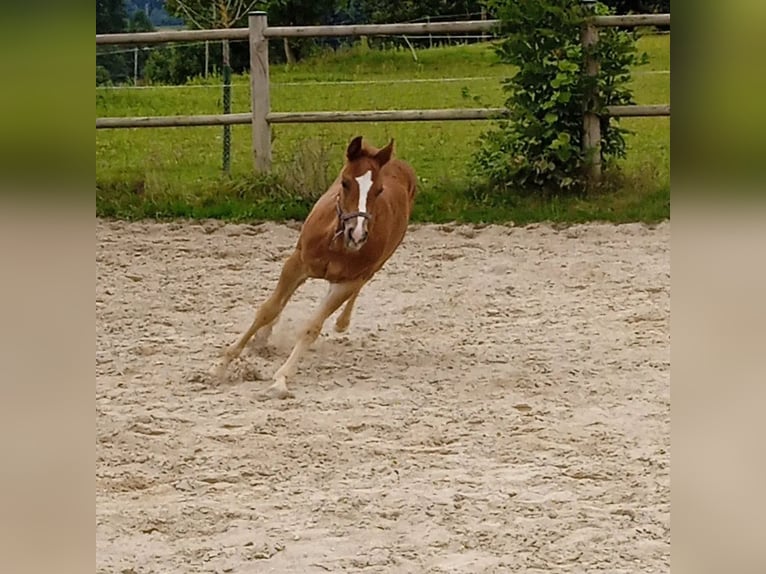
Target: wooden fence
(261,117)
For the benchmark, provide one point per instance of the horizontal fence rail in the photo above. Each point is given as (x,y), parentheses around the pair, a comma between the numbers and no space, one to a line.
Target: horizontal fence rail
(631,20)
(467,114)
(261,117)
(174,121)
(350,30)
(381,29)
(167,36)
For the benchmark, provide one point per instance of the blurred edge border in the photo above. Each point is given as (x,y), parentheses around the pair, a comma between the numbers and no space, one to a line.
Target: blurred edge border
(46,291)
(718,284)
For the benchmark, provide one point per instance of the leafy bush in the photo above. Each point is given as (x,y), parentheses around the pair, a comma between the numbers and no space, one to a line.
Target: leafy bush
(539,147)
(103,77)
(176,64)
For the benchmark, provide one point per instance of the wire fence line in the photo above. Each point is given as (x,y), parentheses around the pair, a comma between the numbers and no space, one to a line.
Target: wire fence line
(453,17)
(146,52)
(335,82)
(308,83)
(105,51)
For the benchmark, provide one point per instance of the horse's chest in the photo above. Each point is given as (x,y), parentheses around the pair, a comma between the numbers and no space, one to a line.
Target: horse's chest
(349,267)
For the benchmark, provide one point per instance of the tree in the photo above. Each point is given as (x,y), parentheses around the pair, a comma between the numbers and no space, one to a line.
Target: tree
(111,18)
(155,11)
(140,22)
(204,14)
(299,13)
(233,13)
(639,6)
(383,11)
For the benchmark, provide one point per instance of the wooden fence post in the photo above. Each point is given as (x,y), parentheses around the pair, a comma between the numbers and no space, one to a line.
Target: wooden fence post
(591,142)
(259,87)
(135,66)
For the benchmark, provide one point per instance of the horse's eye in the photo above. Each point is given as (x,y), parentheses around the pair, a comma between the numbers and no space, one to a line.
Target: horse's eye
(344,183)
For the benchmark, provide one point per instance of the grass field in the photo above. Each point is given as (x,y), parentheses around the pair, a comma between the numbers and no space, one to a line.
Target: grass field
(177,171)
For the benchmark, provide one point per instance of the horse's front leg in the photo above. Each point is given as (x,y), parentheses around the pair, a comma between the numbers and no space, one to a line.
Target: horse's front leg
(293,275)
(344,319)
(261,338)
(336,296)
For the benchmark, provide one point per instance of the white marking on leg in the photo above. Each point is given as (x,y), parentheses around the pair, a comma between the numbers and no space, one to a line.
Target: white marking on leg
(290,366)
(336,296)
(365,183)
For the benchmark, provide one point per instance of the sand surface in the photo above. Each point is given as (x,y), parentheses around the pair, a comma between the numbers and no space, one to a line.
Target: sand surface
(500,403)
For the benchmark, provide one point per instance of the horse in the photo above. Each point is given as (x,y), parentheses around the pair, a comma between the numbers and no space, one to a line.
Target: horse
(351,231)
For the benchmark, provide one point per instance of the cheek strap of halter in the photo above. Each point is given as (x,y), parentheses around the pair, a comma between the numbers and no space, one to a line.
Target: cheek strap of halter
(344,217)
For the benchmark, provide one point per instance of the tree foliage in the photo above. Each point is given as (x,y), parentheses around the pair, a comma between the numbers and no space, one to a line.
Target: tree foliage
(202,14)
(639,6)
(154,10)
(540,145)
(384,12)
(111,18)
(140,22)
(179,63)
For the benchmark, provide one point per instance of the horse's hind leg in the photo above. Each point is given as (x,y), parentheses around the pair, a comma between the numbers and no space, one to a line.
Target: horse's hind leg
(291,277)
(344,319)
(261,338)
(336,296)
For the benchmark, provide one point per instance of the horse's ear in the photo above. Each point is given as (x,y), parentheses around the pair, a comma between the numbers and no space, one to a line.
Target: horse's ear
(384,155)
(354,149)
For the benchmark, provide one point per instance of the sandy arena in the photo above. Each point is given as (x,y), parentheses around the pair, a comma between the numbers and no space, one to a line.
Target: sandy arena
(500,403)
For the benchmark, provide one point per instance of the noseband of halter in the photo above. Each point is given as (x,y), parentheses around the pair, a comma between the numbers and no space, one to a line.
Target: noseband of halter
(344,217)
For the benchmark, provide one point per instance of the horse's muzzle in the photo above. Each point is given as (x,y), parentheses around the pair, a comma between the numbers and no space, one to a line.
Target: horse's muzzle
(355,229)
(354,235)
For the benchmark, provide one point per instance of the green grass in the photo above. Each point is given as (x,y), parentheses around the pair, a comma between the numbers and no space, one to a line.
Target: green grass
(176,172)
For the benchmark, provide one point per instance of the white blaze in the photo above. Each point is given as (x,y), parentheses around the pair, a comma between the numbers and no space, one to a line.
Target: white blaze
(365,183)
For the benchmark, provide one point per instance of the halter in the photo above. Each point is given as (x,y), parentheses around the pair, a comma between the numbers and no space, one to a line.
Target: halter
(344,217)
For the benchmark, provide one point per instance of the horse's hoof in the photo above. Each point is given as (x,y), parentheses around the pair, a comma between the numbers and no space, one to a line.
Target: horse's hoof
(221,373)
(257,343)
(341,327)
(275,391)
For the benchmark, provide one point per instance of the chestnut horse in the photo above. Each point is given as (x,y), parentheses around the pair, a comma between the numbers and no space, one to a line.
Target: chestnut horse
(352,230)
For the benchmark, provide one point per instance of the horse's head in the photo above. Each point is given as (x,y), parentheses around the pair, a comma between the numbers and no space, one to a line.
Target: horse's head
(361,186)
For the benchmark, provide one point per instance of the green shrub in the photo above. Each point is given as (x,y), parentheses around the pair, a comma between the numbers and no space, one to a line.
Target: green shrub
(175,64)
(539,147)
(103,77)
